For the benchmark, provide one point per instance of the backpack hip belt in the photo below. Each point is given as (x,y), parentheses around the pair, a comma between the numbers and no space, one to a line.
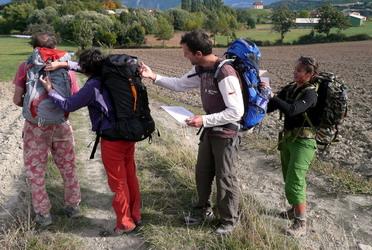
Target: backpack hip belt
(229,130)
(303,133)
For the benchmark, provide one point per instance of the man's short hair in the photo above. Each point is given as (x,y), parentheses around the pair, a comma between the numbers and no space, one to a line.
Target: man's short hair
(197,40)
(91,61)
(44,39)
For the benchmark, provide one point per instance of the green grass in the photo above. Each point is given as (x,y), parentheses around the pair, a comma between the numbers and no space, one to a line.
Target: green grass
(166,172)
(14,51)
(343,180)
(263,32)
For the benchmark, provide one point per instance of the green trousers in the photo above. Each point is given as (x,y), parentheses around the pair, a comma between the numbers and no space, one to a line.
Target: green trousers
(296,155)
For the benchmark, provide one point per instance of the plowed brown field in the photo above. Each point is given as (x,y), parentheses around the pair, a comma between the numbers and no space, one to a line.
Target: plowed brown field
(351,61)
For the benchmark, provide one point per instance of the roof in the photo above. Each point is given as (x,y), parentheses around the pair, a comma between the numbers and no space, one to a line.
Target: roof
(307,20)
(258,3)
(358,16)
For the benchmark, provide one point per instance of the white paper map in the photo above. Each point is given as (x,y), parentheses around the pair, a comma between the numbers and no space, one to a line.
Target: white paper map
(179,113)
(262,71)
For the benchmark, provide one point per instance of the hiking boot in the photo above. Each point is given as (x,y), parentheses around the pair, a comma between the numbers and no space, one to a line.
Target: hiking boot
(43,220)
(288,215)
(138,223)
(297,229)
(225,229)
(72,212)
(199,215)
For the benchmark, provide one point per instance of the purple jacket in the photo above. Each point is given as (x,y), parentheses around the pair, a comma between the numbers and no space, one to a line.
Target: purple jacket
(99,104)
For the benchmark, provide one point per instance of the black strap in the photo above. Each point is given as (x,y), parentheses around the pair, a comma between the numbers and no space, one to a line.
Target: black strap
(200,129)
(94,147)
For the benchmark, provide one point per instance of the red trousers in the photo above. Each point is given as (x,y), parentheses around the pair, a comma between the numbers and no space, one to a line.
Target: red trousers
(118,159)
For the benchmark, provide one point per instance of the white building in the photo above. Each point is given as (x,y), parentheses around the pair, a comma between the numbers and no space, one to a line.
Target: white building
(306,22)
(258,5)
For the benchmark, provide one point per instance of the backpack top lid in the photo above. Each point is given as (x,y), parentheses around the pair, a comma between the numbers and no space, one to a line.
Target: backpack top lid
(246,51)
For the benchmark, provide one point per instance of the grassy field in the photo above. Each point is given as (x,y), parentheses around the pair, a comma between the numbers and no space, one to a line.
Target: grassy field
(263,32)
(13,51)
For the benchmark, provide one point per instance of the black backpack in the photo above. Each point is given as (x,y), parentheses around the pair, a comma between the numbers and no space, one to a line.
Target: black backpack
(331,108)
(133,121)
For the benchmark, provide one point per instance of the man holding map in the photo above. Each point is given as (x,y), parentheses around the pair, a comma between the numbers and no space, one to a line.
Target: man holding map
(219,143)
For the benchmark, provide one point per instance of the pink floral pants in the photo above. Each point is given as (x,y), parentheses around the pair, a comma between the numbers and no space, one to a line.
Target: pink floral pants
(37,142)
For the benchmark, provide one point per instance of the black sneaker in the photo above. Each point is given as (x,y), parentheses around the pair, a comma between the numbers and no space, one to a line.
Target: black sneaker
(43,220)
(72,212)
(199,215)
(297,229)
(288,215)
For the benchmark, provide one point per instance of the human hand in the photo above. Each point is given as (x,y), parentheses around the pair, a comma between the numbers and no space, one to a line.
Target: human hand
(55,65)
(195,121)
(264,85)
(47,84)
(146,71)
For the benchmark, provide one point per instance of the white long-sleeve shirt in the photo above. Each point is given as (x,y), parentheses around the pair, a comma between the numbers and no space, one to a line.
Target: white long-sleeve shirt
(230,90)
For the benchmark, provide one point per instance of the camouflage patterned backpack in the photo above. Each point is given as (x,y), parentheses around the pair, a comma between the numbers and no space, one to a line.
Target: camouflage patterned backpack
(331,108)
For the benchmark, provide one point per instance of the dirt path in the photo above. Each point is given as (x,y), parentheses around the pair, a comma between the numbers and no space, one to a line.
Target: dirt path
(335,221)
(10,151)
(96,197)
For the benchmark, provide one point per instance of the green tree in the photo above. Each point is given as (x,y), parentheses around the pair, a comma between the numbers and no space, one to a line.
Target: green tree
(213,4)
(245,17)
(97,22)
(16,16)
(136,34)
(83,33)
(222,22)
(282,19)
(196,5)
(65,27)
(303,14)
(48,15)
(106,38)
(43,27)
(330,18)
(195,21)
(164,29)
(210,25)
(178,18)
(186,5)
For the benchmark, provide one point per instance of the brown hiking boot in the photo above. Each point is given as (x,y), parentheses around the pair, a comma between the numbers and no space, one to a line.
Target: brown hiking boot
(297,229)
(288,215)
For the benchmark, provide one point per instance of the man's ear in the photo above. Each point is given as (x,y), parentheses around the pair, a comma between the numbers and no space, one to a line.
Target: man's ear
(198,53)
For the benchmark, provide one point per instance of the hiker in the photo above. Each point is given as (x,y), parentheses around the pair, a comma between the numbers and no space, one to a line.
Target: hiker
(117,155)
(297,143)
(219,142)
(46,128)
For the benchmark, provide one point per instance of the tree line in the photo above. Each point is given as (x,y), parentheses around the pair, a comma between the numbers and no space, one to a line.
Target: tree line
(88,22)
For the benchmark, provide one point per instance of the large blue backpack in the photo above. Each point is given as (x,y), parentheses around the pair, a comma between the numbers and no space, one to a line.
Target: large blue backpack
(244,56)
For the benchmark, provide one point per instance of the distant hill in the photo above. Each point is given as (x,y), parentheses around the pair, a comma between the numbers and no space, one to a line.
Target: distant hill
(166,4)
(311,4)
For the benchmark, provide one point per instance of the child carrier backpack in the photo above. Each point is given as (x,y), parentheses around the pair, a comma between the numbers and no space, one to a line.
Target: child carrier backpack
(133,121)
(331,108)
(37,107)
(244,56)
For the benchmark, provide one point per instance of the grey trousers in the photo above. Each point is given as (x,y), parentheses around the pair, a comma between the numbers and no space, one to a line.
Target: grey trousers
(217,157)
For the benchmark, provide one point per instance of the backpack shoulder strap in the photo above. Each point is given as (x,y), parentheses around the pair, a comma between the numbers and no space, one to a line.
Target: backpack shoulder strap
(220,65)
(306,88)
